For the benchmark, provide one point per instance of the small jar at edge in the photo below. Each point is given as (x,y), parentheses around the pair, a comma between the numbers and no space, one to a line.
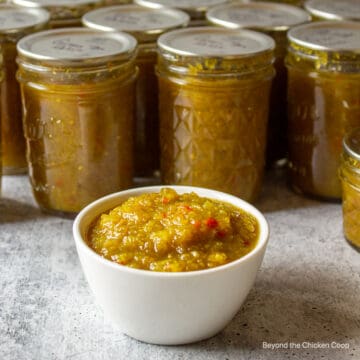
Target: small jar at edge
(146,25)
(214,87)
(350,179)
(323,102)
(78,90)
(16,23)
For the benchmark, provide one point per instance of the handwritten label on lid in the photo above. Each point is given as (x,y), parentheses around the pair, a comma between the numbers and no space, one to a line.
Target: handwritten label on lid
(217,44)
(19,19)
(261,17)
(332,37)
(136,20)
(346,9)
(76,47)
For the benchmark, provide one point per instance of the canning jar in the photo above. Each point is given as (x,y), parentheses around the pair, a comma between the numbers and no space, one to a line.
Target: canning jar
(324,102)
(196,9)
(16,23)
(78,89)
(214,88)
(350,179)
(333,9)
(274,20)
(146,25)
(63,13)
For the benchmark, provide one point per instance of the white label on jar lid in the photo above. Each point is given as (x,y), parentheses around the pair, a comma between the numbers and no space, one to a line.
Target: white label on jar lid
(258,15)
(54,46)
(328,36)
(12,19)
(135,18)
(345,9)
(215,42)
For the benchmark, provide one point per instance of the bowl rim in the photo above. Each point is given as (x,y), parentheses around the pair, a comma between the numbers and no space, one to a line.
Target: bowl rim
(222,196)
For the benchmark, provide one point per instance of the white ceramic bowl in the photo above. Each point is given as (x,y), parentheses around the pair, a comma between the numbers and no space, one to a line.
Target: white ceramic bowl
(168,308)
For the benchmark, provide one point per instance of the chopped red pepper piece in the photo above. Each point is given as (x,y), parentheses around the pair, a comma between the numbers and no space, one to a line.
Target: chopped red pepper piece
(187,207)
(165,200)
(221,233)
(211,223)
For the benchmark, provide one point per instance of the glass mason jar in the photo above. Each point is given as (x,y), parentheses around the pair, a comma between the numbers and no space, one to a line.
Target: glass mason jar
(324,102)
(274,20)
(78,90)
(195,9)
(63,13)
(214,87)
(350,179)
(16,23)
(146,25)
(333,9)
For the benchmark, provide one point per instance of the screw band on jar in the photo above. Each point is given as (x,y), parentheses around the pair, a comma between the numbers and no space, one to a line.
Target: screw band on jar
(212,125)
(78,95)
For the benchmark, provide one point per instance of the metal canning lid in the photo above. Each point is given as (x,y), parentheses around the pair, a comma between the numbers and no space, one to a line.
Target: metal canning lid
(14,19)
(195,9)
(334,9)
(76,47)
(259,15)
(144,23)
(215,42)
(60,9)
(351,143)
(327,36)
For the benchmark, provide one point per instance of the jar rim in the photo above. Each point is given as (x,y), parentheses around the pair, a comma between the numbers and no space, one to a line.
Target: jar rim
(263,16)
(78,47)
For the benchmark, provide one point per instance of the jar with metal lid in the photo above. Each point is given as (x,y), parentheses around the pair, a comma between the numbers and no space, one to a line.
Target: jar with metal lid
(16,23)
(63,13)
(274,20)
(196,9)
(146,25)
(78,92)
(324,102)
(350,179)
(333,9)
(214,87)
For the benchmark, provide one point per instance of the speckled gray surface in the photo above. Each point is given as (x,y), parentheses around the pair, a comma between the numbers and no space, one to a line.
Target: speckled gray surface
(307,293)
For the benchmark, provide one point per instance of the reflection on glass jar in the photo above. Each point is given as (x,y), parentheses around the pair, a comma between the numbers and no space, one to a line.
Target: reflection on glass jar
(78,89)
(146,25)
(195,9)
(64,13)
(350,176)
(15,24)
(324,102)
(274,20)
(214,87)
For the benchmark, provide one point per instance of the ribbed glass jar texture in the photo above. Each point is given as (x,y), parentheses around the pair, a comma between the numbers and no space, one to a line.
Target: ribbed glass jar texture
(78,90)
(214,89)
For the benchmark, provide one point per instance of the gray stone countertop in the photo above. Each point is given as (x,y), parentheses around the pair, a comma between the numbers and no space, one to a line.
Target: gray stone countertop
(306,298)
